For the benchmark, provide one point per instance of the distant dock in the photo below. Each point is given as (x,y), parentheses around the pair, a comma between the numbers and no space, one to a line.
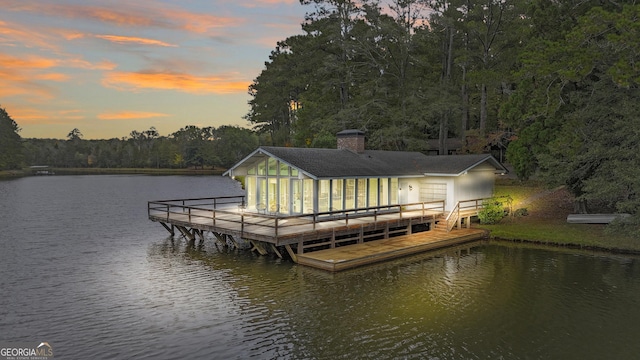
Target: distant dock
(41,170)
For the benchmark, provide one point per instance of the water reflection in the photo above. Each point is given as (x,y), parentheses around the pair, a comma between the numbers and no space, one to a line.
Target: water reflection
(109,283)
(474,301)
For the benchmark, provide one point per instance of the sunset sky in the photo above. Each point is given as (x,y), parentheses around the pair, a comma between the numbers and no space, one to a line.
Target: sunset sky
(108,67)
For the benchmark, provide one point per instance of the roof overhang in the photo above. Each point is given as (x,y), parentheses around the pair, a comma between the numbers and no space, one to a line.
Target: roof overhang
(240,168)
(499,168)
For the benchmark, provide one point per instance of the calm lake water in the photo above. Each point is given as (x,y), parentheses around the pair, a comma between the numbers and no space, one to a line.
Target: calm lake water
(82,268)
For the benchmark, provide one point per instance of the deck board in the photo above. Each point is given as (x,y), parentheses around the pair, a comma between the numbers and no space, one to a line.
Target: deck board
(350,256)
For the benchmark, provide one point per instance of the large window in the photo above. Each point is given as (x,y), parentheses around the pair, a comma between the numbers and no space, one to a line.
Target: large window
(273,166)
(252,191)
(394,191)
(262,194)
(384,192)
(373,192)
(272,193)
(296,189)
(323,195)
(362,193)
(349,194)
(307,189)
(336,194)
(284,196)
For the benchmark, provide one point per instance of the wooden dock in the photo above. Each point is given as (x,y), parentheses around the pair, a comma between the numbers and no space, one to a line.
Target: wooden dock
(332,241)
(347,257)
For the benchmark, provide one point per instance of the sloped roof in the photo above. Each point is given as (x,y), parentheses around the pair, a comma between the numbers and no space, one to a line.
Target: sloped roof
(342,163)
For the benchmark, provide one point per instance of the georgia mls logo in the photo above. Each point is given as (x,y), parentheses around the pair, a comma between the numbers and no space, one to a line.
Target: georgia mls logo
(26,351)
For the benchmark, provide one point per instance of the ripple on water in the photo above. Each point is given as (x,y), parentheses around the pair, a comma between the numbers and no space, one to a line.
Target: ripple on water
(105,281)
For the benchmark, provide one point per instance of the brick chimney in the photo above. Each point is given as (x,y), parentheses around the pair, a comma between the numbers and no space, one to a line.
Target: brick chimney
(351,140)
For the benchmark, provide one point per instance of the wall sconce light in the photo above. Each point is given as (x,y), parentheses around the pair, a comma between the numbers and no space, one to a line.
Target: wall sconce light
(410,188)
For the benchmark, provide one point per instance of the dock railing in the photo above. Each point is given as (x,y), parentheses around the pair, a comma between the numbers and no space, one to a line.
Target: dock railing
(466,208)
(230,212)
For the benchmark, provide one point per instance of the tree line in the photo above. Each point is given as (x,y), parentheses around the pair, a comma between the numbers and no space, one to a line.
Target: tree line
(189,147)
(558,82)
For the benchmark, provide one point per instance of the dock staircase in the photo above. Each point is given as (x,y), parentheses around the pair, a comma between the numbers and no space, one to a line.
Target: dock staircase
(459,215)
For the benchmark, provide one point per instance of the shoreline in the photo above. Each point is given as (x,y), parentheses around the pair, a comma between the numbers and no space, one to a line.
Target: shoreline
(7,174)
(545,223)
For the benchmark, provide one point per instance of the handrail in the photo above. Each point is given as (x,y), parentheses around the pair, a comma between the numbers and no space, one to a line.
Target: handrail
(474,205)
(452,220)
(210,209)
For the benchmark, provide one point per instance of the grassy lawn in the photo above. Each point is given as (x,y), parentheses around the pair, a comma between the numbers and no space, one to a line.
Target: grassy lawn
(546,220)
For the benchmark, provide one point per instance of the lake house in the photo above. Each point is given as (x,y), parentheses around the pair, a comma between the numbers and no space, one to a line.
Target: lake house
(335,209)
(293,181)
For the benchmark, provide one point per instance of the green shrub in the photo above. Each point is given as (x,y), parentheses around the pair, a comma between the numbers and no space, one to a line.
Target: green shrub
(521,212)
(491,212)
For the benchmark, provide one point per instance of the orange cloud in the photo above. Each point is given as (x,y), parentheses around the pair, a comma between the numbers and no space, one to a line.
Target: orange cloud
(14,34)
(127,115)
(53,77)
(28,75)
(134,40)
(30,62)
(28,115)
(135,81)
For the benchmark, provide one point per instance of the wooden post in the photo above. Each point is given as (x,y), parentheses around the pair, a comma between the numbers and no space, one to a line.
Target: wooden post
(293,255)
(170,230)
(257,246)
(275,250)
(333,239)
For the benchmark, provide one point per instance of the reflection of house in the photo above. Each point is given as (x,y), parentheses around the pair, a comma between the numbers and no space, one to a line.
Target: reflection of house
(292,181)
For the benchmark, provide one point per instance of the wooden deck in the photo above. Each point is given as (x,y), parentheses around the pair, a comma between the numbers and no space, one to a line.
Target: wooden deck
(351,256)
(333,241)
(203,215)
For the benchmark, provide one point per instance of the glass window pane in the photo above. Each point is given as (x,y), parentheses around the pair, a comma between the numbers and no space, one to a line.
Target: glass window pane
(384,191)
(273,163)
(350,194)
(284,169)
(262,194)
(307,188)
(284,196)
(362,193)
(394,191)
(251,170)
(272,205)
(294,172)
(373,192)
(296,196)
(323,195)
(336,191)
(250,183)
(262,169)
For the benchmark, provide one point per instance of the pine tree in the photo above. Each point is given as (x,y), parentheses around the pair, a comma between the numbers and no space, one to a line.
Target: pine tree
(10,143)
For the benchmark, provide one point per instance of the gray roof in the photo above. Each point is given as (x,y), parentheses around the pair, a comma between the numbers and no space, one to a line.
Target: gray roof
(342,163)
